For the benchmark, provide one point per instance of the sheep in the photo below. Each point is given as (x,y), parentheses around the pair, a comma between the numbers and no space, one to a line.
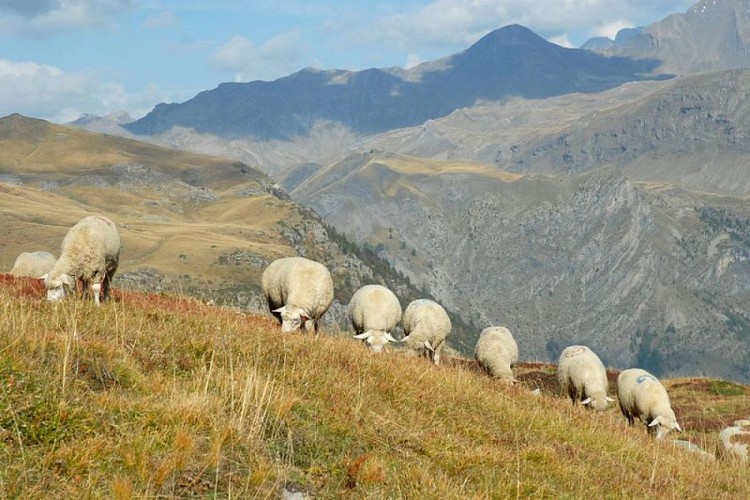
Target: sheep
(583,377)
(298,291)
(33,264)
(374,312)
(642,396)
(733,442)
(426,325)
(90,252)
(497,352)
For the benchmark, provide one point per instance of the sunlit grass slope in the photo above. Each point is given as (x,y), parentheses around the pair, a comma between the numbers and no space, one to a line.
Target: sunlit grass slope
(152,395)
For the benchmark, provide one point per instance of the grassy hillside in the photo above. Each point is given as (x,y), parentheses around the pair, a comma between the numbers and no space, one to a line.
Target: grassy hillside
(155,395)
(189,223)
(186,217)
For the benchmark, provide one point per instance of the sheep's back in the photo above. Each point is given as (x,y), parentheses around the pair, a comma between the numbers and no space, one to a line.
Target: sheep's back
(425,320)
(496,350)
(642,394)
(579,366)
(374,307)
(90,247)
(299,282)
(33,264)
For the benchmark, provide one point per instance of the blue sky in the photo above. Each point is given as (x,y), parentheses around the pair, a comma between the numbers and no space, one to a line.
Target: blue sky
(62,58)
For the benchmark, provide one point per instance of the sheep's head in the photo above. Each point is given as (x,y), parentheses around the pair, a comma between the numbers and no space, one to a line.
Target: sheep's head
(661,425)
(376,340)
(292,318)
(58,286)
(598,402)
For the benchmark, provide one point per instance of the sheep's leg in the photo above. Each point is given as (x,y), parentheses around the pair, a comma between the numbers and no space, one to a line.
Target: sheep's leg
(96,288)
(436,355)
(105,287)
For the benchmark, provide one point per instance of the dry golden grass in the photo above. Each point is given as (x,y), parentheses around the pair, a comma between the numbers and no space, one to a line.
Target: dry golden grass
(153,395)
(162,224)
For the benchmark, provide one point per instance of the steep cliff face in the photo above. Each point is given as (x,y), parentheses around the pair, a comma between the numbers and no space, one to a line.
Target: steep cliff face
(637,272)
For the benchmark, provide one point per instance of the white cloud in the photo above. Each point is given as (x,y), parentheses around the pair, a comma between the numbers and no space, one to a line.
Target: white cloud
(413,60)
(458,23)
(611,29)
(278,56)
(48,92)
(47,17)
(562,41)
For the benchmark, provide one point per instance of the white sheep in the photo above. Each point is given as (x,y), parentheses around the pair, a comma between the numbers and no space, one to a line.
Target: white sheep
(583,377)
(497,352)
(298,291)
(374,312)
(426,325)
(642,396)
(33,264)
(90,252)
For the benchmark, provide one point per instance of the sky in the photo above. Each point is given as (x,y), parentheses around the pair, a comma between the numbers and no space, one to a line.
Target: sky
(60,59)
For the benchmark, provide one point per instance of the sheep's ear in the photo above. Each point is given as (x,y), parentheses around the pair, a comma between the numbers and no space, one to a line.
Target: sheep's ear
(304,316)
(65,278)
(428,345)
(586,401)
(654,422)
(364,336)
(44,276)
(677,426)
(389,338)
(610,399)
(280,309)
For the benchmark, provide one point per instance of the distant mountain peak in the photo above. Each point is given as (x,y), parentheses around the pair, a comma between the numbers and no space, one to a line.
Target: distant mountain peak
(513,34)
(510,61)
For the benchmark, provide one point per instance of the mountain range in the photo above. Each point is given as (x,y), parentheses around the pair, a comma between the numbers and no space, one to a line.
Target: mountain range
(574,196)
(512,61)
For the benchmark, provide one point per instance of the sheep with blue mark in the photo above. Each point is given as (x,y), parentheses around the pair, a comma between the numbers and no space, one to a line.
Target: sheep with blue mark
(642,396)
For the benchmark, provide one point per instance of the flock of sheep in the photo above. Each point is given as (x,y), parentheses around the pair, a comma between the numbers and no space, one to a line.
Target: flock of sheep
(299,291)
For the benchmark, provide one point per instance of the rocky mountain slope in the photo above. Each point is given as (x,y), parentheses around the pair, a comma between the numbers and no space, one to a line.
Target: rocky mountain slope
(712,35)
(691,131)
(644,274)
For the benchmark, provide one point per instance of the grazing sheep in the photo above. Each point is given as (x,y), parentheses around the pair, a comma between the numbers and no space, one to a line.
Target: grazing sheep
(33,264)
(298,291)
(90,253)
(642,396)
(583,377)
(734,442)
(497,352)
(374,312)
(426,325)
